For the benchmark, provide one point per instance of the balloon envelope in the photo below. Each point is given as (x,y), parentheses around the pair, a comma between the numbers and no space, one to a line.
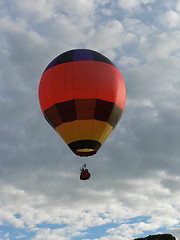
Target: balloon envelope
(82,95)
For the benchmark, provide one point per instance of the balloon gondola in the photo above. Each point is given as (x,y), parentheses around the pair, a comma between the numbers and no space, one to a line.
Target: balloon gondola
(82,96)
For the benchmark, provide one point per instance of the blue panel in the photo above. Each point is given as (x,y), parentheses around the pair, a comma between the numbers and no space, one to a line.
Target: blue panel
(83,55)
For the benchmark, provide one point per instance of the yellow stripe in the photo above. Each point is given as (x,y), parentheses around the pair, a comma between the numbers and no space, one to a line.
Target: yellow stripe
(85,150)
(101,131)
(69,131)
(84,130)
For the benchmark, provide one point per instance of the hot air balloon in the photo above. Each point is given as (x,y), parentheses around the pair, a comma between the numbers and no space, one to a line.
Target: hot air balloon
(82,96)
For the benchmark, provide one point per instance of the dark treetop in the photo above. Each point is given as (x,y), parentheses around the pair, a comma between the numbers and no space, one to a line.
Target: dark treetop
(158,237)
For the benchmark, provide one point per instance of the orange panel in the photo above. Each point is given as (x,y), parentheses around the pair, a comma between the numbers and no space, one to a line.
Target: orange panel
(84,79)
(110,84)
(45,95)
(74,80)
(62,82)
(58,83)
(121,91)
(69,81)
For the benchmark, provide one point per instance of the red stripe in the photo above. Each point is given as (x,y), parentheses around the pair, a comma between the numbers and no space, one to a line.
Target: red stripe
(81,80)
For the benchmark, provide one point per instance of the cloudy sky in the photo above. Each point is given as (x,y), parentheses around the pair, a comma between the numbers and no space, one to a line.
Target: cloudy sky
(135,186)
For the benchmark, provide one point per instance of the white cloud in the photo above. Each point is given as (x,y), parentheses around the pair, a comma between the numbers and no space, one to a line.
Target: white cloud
(162,46)
(148,1)
(109,34)
(129,5)
(171,19)
(109,38)
(128,61)
(178,5)
(107,12)
(138,28)
(35,209)
(133,4)
(20,236)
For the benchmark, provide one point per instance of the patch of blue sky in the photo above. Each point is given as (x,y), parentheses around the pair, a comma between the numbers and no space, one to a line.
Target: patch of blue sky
(97,231)
(51,226)
(79,237)
(162,230)
(15,233)
(17,215)
(138,219)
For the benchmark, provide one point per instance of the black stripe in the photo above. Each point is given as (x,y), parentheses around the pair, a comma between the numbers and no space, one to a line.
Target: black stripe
(83,109)
(67,110)
(101,58)
(62,58)
(82,144)
(53,117)
(107,111)
(68,57)
(65,57)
